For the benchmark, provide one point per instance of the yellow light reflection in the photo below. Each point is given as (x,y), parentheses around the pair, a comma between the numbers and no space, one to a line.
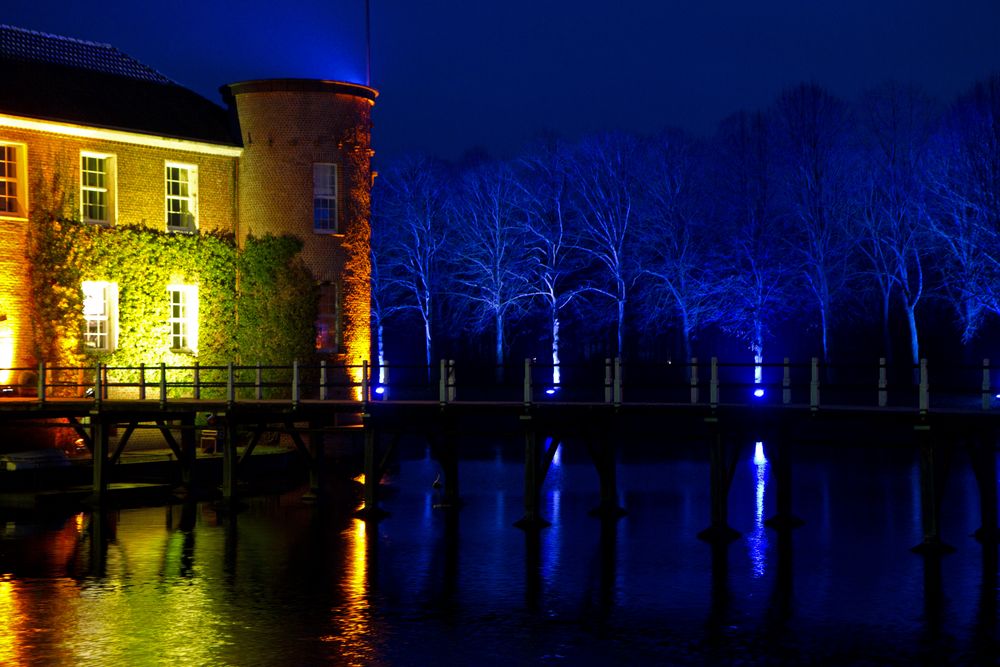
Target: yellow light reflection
(10,621)
(353,619)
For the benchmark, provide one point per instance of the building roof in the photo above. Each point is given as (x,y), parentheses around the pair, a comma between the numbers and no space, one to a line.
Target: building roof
(70,80)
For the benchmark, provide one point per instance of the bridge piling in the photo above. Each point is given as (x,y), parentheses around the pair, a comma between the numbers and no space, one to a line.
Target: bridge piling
(722,467)
(931,492)
(782,466)
(99,440)
(983,457)
(533,477)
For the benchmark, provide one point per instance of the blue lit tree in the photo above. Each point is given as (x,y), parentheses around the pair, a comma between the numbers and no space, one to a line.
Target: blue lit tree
(895,126)
(814,169)
(683,275)
(411,204)
(550,236)
(965,182)
(605,171)
(491,268)
(760,291)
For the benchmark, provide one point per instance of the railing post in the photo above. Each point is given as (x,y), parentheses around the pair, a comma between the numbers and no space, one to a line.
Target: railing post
(163,384)
(259,382)
(443,383)
(451,380)
(987,386)
(295,383)
(142,381)
(883,383)
(41,382)
(322,380)
(98,389)
(528,392)
(608,379)
(814,385)
(694,381)
(231,384)
(104,384)
(713,384)
(364,383)
(197,381)
(925,396)
(786,383)
(618,380)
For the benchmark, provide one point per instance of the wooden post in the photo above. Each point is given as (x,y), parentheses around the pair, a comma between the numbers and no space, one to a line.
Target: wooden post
(322,380)
(721,470)
(365,393)
(99,438)
(987,386)
(231,383)
(316,454)
(618,381)
(984,465)
(142,381)
(41,382)
(188,445)
(814,385)
(452,389)
(608,380)
(528,390)
(925,395)
(443,383)
(713,384)
(784,518)
(197,381)
(931,487)
(532,478)
(786,383)
(295,383)
(370,509)
(163,385)
(694,381)
(883,383)
(98,389)
(259,382)
(227,426)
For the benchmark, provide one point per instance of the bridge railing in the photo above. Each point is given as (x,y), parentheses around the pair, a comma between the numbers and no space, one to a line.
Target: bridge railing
(697,381)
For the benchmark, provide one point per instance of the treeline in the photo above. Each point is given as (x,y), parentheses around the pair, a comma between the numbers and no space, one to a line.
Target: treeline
(806,225)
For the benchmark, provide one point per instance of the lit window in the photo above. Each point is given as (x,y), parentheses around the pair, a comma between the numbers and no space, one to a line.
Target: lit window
(97,188)
(327,320)
(13,181)
(183,319)
(325,198)
(182,197)
(100,301)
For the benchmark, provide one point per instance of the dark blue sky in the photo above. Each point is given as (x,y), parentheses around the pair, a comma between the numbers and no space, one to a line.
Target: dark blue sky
(455,75)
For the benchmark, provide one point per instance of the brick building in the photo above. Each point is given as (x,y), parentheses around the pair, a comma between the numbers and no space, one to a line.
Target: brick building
(121,145)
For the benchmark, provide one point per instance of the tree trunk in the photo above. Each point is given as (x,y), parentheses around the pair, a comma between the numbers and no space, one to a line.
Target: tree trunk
(556,371)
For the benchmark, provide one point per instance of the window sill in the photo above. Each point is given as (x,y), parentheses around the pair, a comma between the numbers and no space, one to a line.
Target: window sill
(327,232)
(181,230)
(14,218)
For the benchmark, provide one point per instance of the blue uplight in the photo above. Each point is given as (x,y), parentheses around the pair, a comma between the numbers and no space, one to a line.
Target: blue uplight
(551,390)
(759,393)
(380,390)
(758,454)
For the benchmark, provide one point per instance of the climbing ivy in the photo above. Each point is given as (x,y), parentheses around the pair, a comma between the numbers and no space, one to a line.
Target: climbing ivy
(257,304)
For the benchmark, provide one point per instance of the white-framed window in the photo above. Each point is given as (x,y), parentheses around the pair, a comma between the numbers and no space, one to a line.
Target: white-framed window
(328,318)
(100,313)
(325,198)
(13,180)
(181,197)
(183,320)
(97,187)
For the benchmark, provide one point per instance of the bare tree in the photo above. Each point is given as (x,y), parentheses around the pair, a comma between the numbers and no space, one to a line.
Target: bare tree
(604,171)
(814,164)
(684,275)
(412,200)
(965,182)
(895,128)
(490,264)
(759,284)
(550,237)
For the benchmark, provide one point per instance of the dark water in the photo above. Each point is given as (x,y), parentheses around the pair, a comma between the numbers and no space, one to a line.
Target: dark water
(287,583)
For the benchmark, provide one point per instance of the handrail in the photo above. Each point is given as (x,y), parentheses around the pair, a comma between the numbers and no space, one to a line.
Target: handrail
(727,383)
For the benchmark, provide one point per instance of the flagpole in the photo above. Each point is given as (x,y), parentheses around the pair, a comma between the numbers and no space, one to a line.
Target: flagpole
(368,43)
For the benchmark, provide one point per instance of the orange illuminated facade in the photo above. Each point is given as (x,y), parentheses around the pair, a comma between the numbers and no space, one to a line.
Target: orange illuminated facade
(116,143)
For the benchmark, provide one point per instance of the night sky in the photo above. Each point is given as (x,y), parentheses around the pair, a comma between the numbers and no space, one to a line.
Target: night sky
(491,74)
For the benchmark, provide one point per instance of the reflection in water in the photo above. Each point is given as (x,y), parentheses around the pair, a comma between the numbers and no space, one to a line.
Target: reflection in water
(11,620)
(757,540)
(353,619)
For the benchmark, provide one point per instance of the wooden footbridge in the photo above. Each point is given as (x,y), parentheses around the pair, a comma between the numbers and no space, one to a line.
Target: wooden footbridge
(714,404)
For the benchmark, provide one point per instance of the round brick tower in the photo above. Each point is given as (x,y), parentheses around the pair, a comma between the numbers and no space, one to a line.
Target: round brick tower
(306,171)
